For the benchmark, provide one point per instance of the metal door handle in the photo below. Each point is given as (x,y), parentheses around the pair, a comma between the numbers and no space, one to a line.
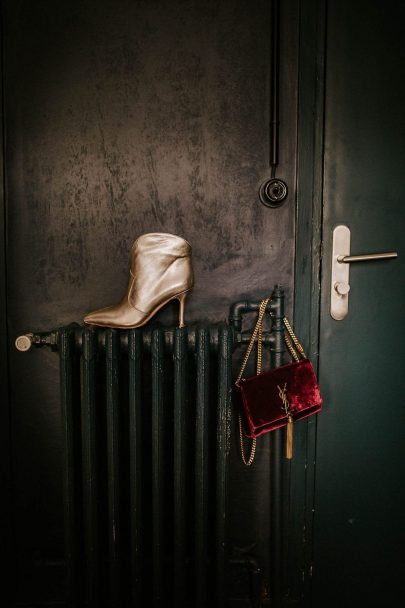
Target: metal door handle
(367,257)
(341,260)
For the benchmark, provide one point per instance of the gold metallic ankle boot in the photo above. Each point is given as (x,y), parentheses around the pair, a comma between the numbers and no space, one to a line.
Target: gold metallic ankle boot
(161,271)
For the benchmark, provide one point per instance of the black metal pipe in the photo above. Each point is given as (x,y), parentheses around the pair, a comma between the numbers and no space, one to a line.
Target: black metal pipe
(238,309)
(89,469)
(180,464)
(70,498)
(158,468)
(135,461)
(274,83)
(52,339)
(224,412)
(201,467)
(113,465)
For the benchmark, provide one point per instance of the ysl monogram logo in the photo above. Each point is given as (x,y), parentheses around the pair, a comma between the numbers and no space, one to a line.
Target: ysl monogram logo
(282,392)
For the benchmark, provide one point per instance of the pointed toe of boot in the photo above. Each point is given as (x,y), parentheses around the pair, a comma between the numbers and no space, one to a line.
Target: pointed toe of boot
(121,316)
(102,317)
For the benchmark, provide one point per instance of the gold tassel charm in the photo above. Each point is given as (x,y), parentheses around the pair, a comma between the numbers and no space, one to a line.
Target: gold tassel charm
(289,440)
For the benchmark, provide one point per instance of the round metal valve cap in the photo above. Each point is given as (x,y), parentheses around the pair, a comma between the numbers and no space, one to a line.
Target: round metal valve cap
(23,343)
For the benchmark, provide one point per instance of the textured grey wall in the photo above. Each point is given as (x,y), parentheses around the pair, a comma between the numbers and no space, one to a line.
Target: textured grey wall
(131,117)
(123,118)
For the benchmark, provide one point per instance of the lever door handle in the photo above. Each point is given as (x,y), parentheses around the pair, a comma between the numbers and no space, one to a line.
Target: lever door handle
(366,257)
(341,260)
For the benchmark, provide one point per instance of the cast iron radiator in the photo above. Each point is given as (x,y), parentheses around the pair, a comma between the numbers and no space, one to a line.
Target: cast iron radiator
(147,418)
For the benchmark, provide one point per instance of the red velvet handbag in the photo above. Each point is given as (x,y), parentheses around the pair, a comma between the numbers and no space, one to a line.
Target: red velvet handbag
(278,397)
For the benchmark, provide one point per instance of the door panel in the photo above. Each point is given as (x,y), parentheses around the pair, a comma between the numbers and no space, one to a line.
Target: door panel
(359,539)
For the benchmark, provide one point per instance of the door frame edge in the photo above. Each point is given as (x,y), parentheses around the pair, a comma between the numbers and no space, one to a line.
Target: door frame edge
(308,258)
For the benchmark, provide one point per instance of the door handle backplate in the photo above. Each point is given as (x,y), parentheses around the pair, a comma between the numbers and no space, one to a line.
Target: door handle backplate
(341,260)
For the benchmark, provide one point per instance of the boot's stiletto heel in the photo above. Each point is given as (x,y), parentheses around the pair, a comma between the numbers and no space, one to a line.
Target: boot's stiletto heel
(181,298)
(161,270)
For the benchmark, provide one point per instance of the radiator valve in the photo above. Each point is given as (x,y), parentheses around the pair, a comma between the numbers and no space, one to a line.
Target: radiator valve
(24,343)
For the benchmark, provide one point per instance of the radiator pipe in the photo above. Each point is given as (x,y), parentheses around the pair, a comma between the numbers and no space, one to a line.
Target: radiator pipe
(113,465)
(159,511)
(180,486)
(238,309)
(52,339)
(90,480)
(201,489)
(276,339)
(224,414)
(70,480)
(135,403)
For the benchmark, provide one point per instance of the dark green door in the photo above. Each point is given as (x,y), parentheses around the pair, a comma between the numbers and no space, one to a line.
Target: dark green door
(359,501)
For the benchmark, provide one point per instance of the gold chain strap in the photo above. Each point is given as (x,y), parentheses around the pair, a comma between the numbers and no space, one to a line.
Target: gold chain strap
(258,328)
(257,332)
(291,349)
(294,339)
(246,461)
